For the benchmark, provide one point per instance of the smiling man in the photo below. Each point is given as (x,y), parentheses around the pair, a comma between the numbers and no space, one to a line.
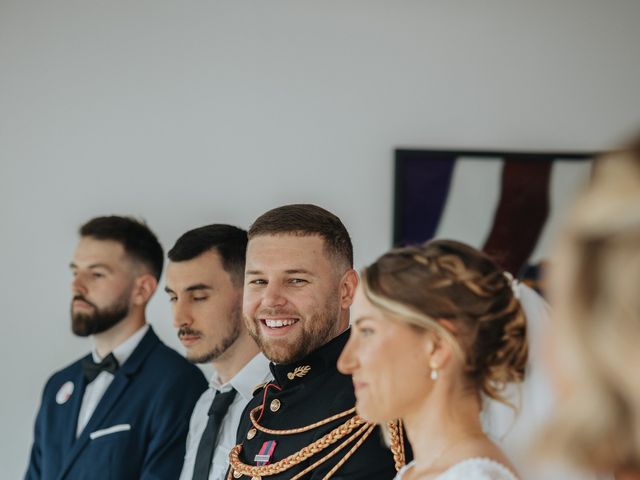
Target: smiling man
(122,411)
(299,285)
(205,276)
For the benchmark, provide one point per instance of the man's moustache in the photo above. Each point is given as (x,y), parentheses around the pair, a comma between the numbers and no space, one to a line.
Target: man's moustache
(186,331)
(81,298)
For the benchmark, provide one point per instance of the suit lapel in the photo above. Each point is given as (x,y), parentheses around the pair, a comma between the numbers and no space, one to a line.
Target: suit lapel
(118,387)
(71,422)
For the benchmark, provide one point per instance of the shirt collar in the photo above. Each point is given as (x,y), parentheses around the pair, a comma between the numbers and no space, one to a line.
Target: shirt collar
(316,363)
(123,351)
(245,381)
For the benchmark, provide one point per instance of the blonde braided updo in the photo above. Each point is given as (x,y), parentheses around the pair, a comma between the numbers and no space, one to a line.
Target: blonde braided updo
(449,280)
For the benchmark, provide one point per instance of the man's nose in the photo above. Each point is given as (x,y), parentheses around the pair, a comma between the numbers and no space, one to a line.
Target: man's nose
(273,296)
(181,314)
(77,285)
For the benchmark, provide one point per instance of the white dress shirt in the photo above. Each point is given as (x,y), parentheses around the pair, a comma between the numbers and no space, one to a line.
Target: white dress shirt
(244,382)
(96,389)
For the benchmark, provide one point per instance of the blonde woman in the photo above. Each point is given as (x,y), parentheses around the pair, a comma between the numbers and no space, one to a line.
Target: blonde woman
(595,286)
(436,328)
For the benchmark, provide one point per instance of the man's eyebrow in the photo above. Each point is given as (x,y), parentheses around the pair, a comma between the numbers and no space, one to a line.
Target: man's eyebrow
(93,265)
(101,265)
(198,286)
(190,288)
(294,271)
(291,271)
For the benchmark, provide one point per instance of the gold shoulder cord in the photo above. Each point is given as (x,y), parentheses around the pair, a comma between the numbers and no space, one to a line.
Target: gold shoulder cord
(238,468)
(397,443)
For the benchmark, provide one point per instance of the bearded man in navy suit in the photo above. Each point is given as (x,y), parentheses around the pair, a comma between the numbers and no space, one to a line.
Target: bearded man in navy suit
(121,412)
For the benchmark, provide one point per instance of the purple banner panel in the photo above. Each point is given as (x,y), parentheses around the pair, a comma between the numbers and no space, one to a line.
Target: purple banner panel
(421,194)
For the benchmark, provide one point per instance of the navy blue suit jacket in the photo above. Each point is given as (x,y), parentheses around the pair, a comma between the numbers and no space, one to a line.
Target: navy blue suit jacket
(153,394)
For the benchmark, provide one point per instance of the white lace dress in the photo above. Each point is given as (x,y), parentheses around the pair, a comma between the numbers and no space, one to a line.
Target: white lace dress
(471,469)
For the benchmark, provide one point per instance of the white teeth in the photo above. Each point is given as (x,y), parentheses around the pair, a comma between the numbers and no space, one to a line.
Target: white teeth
(279,323)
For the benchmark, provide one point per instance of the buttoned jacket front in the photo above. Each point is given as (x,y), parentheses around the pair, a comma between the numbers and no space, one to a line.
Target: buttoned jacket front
(302,394)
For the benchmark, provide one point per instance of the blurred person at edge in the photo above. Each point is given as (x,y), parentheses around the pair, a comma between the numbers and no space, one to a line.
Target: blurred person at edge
(593,349)
(435,328)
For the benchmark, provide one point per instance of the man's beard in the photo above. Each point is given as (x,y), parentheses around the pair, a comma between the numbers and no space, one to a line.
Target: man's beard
(101,320)
(317,330)
(223,345)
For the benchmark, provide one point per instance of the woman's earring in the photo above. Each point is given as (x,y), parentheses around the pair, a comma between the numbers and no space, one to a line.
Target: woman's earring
(434,372)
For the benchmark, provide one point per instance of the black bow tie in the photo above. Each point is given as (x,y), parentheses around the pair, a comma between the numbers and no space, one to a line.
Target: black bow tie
(92,369)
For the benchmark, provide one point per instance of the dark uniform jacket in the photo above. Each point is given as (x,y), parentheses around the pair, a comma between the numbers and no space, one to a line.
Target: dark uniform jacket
(137,431)
(311,390)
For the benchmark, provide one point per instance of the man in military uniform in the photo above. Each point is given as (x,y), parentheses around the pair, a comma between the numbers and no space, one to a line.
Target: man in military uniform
(299,285)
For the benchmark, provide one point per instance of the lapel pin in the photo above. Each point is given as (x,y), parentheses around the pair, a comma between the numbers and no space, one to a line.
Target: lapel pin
(65,392)
(299,372)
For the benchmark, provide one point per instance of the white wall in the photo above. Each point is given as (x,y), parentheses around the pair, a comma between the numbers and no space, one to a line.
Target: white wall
(193,112)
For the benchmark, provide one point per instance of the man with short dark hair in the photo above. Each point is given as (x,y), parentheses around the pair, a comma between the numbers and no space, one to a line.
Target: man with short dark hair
(123,410)
(299,285)
(205,276)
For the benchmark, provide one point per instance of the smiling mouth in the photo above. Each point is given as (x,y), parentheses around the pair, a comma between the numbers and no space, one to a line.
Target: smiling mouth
(278,323)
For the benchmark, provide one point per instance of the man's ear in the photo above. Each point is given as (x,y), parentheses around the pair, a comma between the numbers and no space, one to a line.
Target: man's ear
(348,286)
(143,289)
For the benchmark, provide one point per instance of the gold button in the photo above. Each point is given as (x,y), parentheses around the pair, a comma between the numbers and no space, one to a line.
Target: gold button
(236,474)
(251,433)
(275,405)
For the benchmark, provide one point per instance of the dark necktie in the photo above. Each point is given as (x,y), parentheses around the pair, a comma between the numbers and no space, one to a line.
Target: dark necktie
(92,369)
(207,445)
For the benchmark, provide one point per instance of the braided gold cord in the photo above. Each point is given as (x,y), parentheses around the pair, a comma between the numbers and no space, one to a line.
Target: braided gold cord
(401,428)
(364,431)
(320,461)
(297,457)
(350,452)
(293,431)
(367,426)
(397,443)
